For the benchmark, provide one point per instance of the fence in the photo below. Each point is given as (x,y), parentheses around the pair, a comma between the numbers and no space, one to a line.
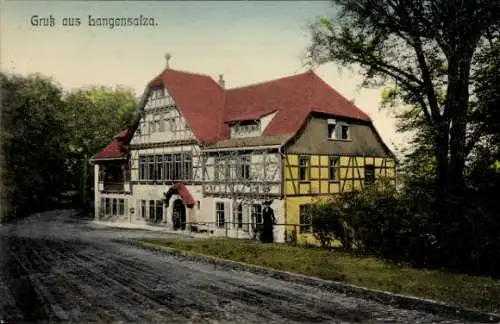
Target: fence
(241,230)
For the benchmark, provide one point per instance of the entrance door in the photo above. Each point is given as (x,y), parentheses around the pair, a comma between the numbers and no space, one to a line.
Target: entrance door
(179,215)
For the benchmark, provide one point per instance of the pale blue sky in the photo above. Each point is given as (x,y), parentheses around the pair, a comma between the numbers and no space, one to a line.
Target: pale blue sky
(245,41)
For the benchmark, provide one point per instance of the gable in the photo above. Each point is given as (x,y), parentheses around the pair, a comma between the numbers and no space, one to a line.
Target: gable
(313,138)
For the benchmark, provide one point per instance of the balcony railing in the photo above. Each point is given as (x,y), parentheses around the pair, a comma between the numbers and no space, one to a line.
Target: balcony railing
(114,186)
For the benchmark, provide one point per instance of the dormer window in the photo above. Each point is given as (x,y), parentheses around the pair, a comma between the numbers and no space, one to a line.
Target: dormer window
(246,128)
(338,130)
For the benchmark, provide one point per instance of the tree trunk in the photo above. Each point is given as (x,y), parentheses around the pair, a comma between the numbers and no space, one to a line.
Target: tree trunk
(441,147)
(459,95)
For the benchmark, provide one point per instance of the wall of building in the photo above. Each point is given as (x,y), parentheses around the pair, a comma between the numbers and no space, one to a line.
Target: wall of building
(314,139)
(350,176)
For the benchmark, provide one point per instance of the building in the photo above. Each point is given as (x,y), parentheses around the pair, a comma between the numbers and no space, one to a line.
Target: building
(201,157)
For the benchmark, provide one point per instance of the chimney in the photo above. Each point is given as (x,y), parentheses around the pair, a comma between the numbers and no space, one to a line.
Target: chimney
(222,82)
(168,56)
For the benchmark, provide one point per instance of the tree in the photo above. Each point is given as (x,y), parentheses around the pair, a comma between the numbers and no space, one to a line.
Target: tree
(93,116)
(34,146)
(424,50)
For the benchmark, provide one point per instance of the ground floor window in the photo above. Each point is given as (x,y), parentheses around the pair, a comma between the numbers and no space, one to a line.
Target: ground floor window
(121,207)
(305,218)
(219,214)
(102,206)
(115,207)
(159,211)
(108,206)
(257,214)
(151,210)
(143,209)
(112,207)
(238,217)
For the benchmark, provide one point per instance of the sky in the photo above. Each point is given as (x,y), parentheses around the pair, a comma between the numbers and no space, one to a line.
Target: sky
(246,41)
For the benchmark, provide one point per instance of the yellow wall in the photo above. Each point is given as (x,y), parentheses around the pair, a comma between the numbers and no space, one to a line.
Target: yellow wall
(350,176)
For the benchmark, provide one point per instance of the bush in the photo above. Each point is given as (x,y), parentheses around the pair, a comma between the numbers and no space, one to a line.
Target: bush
(406,227)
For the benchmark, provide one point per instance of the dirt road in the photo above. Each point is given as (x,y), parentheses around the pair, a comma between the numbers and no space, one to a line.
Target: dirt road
(57,269)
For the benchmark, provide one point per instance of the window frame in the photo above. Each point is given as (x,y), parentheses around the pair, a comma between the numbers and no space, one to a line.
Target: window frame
(333,169)
(220,214)
(305,227)
(305,175)
(373,177)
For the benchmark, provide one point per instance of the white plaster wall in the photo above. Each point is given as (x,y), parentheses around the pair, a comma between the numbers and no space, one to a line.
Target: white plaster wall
(127,217)
(264,121)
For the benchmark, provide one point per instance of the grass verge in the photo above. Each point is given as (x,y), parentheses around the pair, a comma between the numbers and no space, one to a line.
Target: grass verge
(480,293)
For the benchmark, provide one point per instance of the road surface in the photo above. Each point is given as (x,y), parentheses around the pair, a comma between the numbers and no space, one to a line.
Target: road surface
(58,269)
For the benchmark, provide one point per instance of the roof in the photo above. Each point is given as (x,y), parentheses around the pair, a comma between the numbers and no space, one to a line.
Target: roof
(180,189)
(208,108)
(200,101)
(116,150)
(293,97)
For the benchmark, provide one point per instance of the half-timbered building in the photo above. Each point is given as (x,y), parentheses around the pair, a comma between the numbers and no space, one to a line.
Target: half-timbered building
(200,157)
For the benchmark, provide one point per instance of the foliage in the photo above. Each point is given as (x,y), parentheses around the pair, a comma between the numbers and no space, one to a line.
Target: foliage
(48,137)
(422,50)
(329,224)
(291,237)
(94,115)
(34,142)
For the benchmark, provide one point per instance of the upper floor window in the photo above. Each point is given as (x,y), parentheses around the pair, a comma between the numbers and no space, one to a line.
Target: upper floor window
(304,168)
(369,174)
(243,167)
(246,128)
(338,130)
(333,168)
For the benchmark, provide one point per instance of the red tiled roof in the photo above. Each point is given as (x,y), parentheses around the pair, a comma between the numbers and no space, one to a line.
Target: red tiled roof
(208,108)
(200,100)
(293,98)
(180,189)
(116,149)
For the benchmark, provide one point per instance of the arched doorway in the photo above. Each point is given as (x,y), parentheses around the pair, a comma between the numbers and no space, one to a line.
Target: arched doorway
(179,215)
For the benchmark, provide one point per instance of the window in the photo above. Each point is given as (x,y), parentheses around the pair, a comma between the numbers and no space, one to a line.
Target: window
(161,124)
(159,167)
(219,214)
(227,169)
(333,170)
(177,167)
(344,134)
(188,166)
(305,219)
(143,209)
(198,204)
(108,206)
(331,130)
(304,168)
(159,210)
(244,168)
(102,206)
(238,222)
(169,167)
(369,174)
(257,214)
(115,207)
(121,207)
(152,126)
(338,130)
(151,210)
(217,167)
(151,167)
